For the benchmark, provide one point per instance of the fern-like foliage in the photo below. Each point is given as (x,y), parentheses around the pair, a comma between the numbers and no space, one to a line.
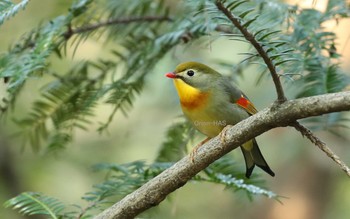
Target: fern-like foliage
(31,203)
(122,179)
(174,146)
(29,56)
(256,19)
(225,171)
(66,103)
(9,9)
(322,73)
(121,97)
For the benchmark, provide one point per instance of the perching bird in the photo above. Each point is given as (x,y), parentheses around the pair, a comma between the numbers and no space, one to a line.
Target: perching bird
(211,102)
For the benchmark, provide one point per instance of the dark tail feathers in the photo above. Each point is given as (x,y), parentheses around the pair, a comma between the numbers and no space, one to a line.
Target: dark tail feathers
(252,156)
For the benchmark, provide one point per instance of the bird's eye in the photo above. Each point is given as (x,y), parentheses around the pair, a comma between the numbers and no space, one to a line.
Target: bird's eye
(190,73)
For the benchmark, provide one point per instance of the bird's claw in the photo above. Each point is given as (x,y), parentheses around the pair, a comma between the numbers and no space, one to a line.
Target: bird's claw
(195,149)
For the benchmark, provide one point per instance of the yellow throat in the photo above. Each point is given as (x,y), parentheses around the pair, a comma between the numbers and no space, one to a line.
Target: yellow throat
(190,97)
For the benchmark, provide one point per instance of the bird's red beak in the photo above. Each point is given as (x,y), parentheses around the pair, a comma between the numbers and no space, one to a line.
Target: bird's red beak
(171,75)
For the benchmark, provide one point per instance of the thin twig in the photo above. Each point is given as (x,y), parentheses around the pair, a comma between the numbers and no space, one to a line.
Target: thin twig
(259,48)
(307,133)
(70,32)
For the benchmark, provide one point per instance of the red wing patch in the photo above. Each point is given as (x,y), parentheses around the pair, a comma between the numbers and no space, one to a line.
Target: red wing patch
(247,105)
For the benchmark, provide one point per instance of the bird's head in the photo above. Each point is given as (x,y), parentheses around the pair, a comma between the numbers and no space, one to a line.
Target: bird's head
(195,74)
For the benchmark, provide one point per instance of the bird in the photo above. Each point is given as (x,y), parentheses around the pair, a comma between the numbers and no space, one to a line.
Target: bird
(211,102)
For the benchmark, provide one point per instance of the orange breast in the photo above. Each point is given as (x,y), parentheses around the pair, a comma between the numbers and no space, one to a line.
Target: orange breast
(190,97)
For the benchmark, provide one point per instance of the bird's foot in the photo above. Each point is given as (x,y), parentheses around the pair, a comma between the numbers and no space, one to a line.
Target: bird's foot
(195,149)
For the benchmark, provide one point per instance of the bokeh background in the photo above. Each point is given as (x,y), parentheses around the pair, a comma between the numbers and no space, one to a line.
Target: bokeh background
(314,186)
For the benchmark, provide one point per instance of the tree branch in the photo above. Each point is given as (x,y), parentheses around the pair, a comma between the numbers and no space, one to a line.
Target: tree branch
(314,139)
(259,48)
(70,32)
(278,115)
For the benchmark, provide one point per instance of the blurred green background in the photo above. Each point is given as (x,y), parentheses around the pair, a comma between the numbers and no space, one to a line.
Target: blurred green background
(315,186)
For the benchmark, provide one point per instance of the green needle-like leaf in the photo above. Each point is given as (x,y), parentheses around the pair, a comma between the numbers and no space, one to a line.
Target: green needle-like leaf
(30,203)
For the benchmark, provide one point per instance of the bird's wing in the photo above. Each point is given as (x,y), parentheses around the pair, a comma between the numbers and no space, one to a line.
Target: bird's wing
(239,98)
(245,103)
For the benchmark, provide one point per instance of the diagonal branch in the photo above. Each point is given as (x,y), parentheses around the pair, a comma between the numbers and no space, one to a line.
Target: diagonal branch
(259,48)
(70,32)
(285,114)
(314,139)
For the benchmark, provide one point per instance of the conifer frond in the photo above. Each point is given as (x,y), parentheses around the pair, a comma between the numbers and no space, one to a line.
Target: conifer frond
(122,179)
(31,203)
(174,147)
(29,56)
(66,103)
(321,71)
(321,74)
(122,95)
(9,9)
(226,172)
(238,184)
